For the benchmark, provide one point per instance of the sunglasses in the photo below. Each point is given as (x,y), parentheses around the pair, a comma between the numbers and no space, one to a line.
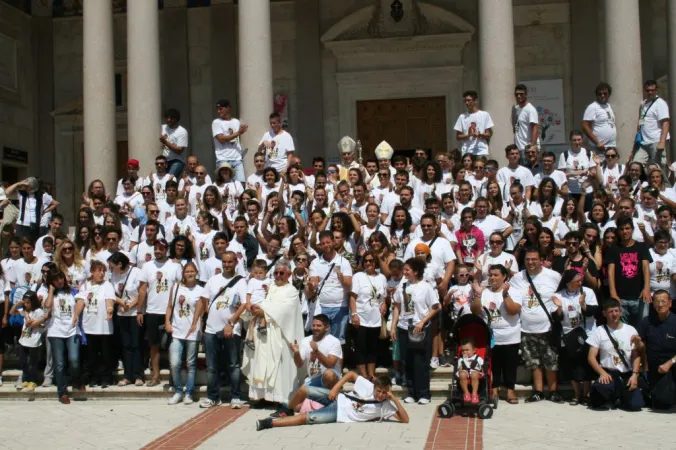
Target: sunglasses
(279,272)
(611,156)
(491,169)
(111,239)
(67,249)
(200,173)
(496,242)
(299,260)
(153,211)
(370,260)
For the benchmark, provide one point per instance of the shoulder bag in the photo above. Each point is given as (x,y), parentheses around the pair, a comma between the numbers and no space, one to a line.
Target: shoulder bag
(555,333)
(638,139)
(220,292)
(642,381)
(416,341)
(165,340)
(326,277)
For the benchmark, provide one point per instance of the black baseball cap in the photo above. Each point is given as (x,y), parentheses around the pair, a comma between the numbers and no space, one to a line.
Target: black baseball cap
(223,103)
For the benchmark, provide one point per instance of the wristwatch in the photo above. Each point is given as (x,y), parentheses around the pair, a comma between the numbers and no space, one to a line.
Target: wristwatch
(353,314)
(673,360)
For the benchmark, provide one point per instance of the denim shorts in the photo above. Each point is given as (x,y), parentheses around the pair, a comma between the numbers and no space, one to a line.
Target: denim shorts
(318,380)
(327,414)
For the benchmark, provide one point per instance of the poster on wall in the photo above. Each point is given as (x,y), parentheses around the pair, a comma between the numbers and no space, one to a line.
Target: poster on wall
(281,107)
(547,97)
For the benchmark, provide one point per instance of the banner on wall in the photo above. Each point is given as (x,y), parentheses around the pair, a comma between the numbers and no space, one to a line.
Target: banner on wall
(547,97)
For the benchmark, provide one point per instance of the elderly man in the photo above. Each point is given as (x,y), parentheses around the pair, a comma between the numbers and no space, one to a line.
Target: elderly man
(347,147)
(271,369)
(658,333)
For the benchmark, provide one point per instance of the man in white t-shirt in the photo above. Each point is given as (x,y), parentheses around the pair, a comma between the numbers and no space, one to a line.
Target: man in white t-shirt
(440,249)
(331,276)
(226,131)
(525,121)
(578,164)
(174,139)
(277,144)
(536,346)
(514,172)
(653,123)
(321,353)
(473,128)
(548,171)
(159,179)
(613,356)
(189,174)
(598,122)
(366,403)
(255,180)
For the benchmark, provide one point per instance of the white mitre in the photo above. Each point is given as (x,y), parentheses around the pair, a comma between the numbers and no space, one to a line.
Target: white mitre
(347,145)
(384,151)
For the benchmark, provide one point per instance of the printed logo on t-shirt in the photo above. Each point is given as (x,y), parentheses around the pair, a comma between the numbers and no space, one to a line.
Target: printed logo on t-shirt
(162,285)
(148,257)
(531,298)
(183,307)
(27,332)
(629,263)
(92,302)
(494,312)
(64,308)
(662,274)
(204,252)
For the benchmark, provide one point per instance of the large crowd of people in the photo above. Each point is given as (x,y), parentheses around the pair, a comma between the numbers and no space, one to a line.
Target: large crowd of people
(302,268)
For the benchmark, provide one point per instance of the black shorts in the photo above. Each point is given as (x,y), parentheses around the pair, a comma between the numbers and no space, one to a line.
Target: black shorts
(152,323)
(4,332)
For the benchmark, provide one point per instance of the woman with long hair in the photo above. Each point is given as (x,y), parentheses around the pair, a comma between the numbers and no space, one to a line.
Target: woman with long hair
(181,250)
(202,242)
(228,189)
(85,216)
(83,239)
(63,333)
(70,262)
(547,247)
(546,190)
(636,173)
(184,326)
(126,280)
(431,184)
(400,230)
(570,213)
(380,245)
(213,204)
(666,195)
(610,239)
(549,220)
(271,184)
(372,225)
(111,221)
(494,196)
(97,244)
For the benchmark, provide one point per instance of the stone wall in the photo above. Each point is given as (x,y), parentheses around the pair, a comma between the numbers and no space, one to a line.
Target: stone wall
(17,85)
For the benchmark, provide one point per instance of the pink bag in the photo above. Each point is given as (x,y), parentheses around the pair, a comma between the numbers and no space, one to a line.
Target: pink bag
(310,405)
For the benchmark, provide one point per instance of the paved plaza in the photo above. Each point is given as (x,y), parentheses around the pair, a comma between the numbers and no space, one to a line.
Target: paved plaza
(151,424)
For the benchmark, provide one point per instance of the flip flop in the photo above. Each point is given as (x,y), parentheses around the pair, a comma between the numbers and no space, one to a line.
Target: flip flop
(123,383)
(513,401)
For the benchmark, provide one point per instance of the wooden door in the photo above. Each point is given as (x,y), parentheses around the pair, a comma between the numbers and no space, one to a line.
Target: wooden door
(122,157)
(407,124)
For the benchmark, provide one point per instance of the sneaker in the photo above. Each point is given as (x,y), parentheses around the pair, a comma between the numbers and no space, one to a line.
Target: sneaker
(176,399)
(535,397)
(264,424)
(467,398)
(444,361)
(236,403)
(409,400)
(424,401)
(434,363)
(208,403)
(284,411)
(555,397)
(47,382)
(30,387)
(0,381)
(187,400)
(475,399)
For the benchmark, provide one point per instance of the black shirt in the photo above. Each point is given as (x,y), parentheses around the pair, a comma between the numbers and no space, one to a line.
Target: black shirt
(628,262)
(659,338)
(560,262)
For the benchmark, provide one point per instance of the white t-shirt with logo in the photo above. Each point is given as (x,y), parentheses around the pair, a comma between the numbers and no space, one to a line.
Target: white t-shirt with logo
(558,176)
(486,261)
(508,176)
(370,292)
(228,151)
(573,316)
(184,311)
(461,297)
(177,136)
(204,250)
(222,308)
(524,118)
(94,313)
(650,125)
(328,346)
(26,274)
(184,224)
(333,293)
(609,358)
(441,250)
(159,278)
(602,118)
(141,254)
(30,337)
(533,317)
(276,157)
(258,289)
(159,184)
(662,270)
(351,411)
(480,120)
(415,300)
(196,198)
(506,327)
(576,161)
(128,292)
(63,307)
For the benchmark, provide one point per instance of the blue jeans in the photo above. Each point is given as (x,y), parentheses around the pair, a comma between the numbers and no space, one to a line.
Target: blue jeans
(327,414)
(338,317)
(633,311)
(601,394)
(175,167)
(59,346)
(217,345)
(176,358)
(237,168)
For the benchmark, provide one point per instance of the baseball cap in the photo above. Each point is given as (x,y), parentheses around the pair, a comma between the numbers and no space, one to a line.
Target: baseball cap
(223,103)
(133,163)
(162,243)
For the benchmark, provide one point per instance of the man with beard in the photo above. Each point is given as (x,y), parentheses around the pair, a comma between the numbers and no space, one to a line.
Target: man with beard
(321,353)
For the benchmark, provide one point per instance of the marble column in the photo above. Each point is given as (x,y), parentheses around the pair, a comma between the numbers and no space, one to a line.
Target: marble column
(255,73)
(100,145)
(671,51)
(497,76)
(144,91)
(585,55)
(623,67)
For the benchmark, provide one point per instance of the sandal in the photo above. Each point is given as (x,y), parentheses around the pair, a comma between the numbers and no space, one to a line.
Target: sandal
(513,401)
(124,382)
(139,383)
(574,401)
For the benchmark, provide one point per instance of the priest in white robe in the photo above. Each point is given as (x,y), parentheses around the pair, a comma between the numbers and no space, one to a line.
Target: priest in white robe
(270,368)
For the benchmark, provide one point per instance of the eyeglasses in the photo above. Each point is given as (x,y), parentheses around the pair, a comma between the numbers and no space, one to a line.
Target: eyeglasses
(200,173)
(426,226)
(370,260)
(496,242)
(490,168)
(273,247)
(574,244)
(462,275)
(110,239)
(279,273)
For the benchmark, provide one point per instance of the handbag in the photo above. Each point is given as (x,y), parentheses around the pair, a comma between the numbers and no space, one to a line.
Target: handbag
(416,341)
(165,340)
(638,138)
(574,343)
(557,328)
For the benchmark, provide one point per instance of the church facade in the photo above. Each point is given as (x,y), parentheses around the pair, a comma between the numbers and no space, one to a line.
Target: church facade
(371,69)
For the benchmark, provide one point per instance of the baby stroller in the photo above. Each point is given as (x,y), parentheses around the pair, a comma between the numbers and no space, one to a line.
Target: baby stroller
(471,325)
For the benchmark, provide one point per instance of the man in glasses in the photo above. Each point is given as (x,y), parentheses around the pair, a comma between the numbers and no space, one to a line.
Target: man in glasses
(444,160)
(189,174)
(525,121)
(158,179)
(473,128)
(598,121)
(653,124)
(271,369)
(574,259)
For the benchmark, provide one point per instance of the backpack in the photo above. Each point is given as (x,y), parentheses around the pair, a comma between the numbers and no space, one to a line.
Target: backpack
(567,153)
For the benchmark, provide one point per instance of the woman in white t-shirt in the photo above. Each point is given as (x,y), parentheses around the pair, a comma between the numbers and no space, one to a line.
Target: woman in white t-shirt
(579,305)
(97,322)
(125,281)
(496,255)
(367,306)
(63,333)
(183,325)
(70,262)
(503,318)
(414,307)
(202,242)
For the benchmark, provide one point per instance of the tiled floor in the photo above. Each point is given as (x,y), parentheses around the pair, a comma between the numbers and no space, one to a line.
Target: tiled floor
(455,433)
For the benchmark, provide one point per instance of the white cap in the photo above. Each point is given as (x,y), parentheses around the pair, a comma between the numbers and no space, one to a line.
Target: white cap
(347,145)
(384,151)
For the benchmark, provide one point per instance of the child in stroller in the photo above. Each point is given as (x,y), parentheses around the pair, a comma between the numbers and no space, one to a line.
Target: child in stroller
(470,367)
